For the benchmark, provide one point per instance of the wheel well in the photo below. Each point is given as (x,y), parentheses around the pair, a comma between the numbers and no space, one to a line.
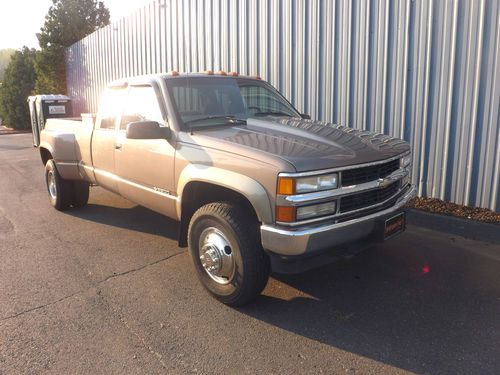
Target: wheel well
(45,155)
(197,194)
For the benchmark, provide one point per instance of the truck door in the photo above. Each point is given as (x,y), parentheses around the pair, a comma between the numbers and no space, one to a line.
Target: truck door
(145,167)
(104,138)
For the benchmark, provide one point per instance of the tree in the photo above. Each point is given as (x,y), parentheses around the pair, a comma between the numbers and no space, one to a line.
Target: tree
(67,22)
(5,55)
(18,83)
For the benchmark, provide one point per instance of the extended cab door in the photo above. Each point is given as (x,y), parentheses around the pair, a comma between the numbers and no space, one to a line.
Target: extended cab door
(145,167)
(104,137)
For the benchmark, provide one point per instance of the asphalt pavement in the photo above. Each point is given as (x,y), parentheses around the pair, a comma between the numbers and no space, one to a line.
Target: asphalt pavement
(106,290)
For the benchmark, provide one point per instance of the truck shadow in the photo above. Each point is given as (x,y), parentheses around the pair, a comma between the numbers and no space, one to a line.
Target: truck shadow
(136,218)
(419,304)
(423,302)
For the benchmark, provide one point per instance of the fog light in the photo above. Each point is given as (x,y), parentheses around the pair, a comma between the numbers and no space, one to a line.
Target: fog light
(316,210)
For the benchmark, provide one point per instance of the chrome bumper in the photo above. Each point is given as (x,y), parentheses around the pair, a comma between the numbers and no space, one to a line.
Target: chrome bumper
(290,242)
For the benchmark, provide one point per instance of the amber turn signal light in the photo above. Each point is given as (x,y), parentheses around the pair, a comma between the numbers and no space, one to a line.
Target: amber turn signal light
(286,185)
(285,214)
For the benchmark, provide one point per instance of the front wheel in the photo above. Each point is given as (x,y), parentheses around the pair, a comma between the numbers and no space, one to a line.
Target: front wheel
(226,253)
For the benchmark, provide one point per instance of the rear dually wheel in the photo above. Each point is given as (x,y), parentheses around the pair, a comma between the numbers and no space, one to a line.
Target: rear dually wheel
(64,193)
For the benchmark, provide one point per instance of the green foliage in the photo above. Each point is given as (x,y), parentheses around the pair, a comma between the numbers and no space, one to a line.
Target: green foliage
(5,55)
(67,22)
(18,84)
(50,71)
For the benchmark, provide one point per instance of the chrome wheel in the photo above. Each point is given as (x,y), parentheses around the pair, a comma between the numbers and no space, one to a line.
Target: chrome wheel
(216,255)
(51,183)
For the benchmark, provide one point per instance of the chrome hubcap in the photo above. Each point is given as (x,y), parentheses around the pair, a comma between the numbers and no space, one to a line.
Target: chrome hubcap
(51,182)
(216,255)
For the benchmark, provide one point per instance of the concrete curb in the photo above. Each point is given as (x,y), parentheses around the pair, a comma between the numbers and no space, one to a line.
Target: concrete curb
(9,132)
(474,230)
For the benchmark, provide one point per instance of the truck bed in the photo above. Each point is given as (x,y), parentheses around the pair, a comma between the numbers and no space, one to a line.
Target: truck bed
(68,140)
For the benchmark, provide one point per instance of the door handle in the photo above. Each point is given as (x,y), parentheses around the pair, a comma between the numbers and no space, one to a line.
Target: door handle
(118,146)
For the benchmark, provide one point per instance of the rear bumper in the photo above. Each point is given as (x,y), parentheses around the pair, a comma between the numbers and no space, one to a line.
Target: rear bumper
(311,240)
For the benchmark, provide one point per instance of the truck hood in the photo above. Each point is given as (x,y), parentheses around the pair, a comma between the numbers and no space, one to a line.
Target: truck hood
(307,145)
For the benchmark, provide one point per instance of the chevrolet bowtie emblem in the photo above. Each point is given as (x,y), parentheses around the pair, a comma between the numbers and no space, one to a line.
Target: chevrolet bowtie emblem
(382,182)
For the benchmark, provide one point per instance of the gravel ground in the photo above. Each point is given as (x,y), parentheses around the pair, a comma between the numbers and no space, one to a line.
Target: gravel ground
(447,208)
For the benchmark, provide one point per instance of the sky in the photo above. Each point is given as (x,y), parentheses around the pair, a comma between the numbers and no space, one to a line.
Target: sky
(20,20)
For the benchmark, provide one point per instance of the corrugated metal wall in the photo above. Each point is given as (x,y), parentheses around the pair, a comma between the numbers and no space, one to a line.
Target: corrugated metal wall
(424,70)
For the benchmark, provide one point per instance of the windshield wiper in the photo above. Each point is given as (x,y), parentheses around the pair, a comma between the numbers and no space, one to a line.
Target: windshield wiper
(272,113)
(229,119)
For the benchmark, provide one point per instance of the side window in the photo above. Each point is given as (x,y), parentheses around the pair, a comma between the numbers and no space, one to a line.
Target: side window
(110,107)
(141,104)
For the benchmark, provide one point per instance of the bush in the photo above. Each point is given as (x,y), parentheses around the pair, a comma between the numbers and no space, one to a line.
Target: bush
(18,84)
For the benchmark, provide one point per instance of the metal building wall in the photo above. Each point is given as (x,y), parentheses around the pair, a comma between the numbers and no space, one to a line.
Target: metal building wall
(424,70)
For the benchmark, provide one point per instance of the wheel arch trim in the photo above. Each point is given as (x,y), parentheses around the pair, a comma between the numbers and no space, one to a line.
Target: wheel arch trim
(252,190)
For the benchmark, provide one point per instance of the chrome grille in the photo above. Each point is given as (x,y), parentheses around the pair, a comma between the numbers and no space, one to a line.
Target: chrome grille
(365,174)
(367,199)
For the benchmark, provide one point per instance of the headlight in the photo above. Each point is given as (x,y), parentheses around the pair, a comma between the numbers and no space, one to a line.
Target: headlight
(288,185)
(405,181)
(316,210)
(317,183)
(405,161)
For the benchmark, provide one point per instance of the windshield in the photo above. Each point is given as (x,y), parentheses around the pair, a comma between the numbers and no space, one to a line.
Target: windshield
(208,101)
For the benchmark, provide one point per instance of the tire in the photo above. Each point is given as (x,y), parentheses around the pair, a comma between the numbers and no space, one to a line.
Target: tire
(60,190)
(227,255)
(80,193)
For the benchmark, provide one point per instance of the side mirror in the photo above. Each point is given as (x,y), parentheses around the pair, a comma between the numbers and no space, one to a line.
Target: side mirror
(304,116)
(147,130)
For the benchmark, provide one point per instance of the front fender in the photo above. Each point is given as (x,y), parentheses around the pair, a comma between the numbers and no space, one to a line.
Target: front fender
(244,185)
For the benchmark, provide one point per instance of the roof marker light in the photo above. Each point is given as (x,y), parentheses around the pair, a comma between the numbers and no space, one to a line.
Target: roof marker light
(233,74)
(221,73)
(209,72)
(174,73)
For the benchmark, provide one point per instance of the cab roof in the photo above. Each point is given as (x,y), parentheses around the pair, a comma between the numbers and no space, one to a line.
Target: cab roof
(174,74)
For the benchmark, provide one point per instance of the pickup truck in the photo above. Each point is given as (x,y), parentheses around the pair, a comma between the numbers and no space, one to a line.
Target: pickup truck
(256,186)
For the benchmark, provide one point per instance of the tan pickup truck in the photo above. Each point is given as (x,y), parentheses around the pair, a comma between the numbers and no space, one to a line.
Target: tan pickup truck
(255,185)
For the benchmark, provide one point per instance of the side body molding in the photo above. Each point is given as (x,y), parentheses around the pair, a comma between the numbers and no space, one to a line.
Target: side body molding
(246,186)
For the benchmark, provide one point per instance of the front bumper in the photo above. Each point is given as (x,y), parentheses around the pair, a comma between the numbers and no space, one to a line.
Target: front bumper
(313,239)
